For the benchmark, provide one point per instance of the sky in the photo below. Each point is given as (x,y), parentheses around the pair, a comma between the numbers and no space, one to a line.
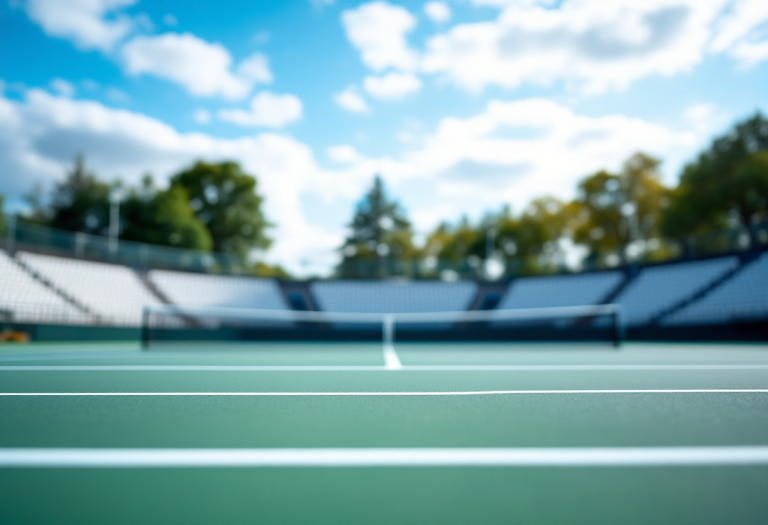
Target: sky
(461,106)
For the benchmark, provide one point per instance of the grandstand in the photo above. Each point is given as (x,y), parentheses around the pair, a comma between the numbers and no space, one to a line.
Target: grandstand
(217,290)
(719,291)
(113,294)
(393,296)
(742,298)
(658,288)
(561,290)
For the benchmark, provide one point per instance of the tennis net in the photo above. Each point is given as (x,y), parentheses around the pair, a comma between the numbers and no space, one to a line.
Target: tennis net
(168,324)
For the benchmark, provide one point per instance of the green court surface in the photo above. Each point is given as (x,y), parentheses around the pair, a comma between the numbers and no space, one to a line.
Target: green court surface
(318,433)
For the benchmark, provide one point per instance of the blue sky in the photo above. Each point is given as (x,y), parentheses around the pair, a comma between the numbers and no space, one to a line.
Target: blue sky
(462,106)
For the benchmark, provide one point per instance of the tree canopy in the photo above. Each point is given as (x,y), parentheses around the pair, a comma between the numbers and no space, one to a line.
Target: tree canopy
(726,185)
(379,230)
(224,198)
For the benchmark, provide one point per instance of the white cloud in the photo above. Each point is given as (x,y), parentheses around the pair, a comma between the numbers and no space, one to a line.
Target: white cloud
(203,68)
(40,136)
(82,21)
(742,32)
(344,154)
(515,151)
(256,69)
(62,87)
(378,31)
(591,44)
(350,100)
(267,110)
(392,85)
(202,116)
(437,12)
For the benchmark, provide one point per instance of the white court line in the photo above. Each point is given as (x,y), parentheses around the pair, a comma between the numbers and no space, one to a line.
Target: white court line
(387,457)
(373,368)
(374,394)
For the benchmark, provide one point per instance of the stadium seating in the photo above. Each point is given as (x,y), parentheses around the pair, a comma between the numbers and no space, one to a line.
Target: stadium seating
(660,287)
(561,290)
(743,297)
(393,296)
(111,291)
(190,289)
(28,300)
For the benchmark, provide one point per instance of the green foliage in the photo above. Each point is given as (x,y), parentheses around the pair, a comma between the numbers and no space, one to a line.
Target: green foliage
(162,217)
(225,200)
(613,210)
(261,269)
(79,203)
(379,231)
(3,220)
(726,185)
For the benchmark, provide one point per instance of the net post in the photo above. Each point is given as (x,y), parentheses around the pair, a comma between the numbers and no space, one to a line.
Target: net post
(145,328)
(618,327)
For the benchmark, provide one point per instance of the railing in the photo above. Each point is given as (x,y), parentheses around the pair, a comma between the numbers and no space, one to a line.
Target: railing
(22,235)
(18,234)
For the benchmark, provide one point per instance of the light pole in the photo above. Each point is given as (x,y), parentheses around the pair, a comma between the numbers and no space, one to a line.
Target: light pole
(115,197)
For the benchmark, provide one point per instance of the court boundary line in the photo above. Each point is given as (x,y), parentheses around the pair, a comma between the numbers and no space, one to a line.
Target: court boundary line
(395,393)
(387,457)
(376,368)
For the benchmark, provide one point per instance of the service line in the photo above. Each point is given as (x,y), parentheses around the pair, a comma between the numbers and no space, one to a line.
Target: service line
(412,393)
(374,368)
(386,457)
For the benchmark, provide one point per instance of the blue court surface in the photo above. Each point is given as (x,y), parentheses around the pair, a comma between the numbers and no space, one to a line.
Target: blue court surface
(342,434)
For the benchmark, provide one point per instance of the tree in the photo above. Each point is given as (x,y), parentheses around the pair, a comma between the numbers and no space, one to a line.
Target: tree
(162,217)
(3,221)
(225,200)
(727,184)
(613,211)
(379,230)
(79,203)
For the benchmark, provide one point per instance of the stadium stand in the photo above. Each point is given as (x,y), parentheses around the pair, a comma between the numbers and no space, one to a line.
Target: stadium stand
(561,290)
(113,292)
(190,289)
(24,299)
(659,288)
(393,296)
(743,297)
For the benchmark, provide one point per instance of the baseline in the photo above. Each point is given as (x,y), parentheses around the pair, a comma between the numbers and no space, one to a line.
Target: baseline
(386,457)
(375,394)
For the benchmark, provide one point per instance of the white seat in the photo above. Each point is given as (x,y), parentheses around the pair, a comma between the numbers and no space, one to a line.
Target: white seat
(742,297)
(393,296)
(29,300)
(190,289)
(113,292)
(560,290)
(661,287)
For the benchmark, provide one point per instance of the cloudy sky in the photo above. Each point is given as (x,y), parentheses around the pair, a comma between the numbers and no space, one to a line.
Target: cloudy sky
(460,105)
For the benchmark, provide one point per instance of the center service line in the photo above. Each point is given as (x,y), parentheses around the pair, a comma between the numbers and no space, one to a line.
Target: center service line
(385,457)
(460,393)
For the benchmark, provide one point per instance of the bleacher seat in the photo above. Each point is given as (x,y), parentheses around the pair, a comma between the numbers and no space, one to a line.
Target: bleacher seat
(561,290)
(25,299)
(743,297)
(393,296)
(113,292)
(190,289)
(658,288)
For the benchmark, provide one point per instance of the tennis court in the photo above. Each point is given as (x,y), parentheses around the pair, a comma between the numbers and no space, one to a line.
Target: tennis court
(325,433)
